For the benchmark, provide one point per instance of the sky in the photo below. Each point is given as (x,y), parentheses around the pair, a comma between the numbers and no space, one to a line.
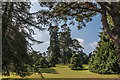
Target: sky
(87,36)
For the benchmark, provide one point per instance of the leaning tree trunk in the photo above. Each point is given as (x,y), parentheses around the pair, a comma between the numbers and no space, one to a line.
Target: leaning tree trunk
(113,35)
(116,21)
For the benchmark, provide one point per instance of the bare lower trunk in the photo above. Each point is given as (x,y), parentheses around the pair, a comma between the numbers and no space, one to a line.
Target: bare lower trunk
(64,63)
(39,72)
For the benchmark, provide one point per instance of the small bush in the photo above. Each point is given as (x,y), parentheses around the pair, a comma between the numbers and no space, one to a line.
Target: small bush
(76,62)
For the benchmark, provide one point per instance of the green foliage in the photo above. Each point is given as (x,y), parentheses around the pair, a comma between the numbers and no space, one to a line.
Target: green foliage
(65,44)
(76,62)
(53,49)
(84,57)
(17,29)
(80,12)
(39,60)
(104,60)
(35,56)
(43,63)
(53,60)
(78,49)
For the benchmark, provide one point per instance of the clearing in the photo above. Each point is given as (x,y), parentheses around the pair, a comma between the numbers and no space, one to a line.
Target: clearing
(63,71)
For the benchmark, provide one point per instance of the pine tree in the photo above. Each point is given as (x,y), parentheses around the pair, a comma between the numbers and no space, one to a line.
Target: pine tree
(65,44)
(104,60)
(17,29)
(76,46)
(53,50)
(36,56)
(78,49)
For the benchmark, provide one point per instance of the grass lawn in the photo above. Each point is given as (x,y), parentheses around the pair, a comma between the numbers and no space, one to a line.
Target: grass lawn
(63,71)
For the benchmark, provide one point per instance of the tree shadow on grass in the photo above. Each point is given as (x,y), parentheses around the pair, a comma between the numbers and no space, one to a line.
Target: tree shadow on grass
(48,70)
(79,69)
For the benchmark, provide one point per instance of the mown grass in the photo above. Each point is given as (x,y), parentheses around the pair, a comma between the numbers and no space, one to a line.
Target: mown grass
(48,70)
(63,71)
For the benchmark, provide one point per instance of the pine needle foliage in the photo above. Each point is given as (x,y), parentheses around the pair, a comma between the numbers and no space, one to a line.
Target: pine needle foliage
(104,60)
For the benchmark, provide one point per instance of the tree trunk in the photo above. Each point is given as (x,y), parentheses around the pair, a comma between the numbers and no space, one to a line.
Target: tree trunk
(113,35)
(64,62)
(116,21)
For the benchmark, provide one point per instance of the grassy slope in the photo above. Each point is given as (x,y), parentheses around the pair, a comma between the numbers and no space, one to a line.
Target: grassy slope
(62,71)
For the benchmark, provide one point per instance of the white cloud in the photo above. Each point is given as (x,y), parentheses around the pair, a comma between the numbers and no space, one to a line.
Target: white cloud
(81,41)
(90,47)
(41,47)
(41,36)
(93,44)
(47,42)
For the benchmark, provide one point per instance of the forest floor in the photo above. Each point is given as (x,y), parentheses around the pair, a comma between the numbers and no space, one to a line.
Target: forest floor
(63,71)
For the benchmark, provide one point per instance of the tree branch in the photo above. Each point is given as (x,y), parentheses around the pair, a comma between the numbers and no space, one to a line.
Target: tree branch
(104,6)
(110,6)
(105,24)
(90,9)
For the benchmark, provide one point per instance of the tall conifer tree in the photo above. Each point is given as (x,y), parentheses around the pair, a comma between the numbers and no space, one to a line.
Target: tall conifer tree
(104,60)
(17,29)
(65,44)
(53,50)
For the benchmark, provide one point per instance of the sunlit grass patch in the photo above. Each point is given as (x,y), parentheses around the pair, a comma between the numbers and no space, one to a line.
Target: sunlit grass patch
(63,71)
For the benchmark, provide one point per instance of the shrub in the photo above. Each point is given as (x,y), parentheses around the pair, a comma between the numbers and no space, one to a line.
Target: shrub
(53,61)
(76,62)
